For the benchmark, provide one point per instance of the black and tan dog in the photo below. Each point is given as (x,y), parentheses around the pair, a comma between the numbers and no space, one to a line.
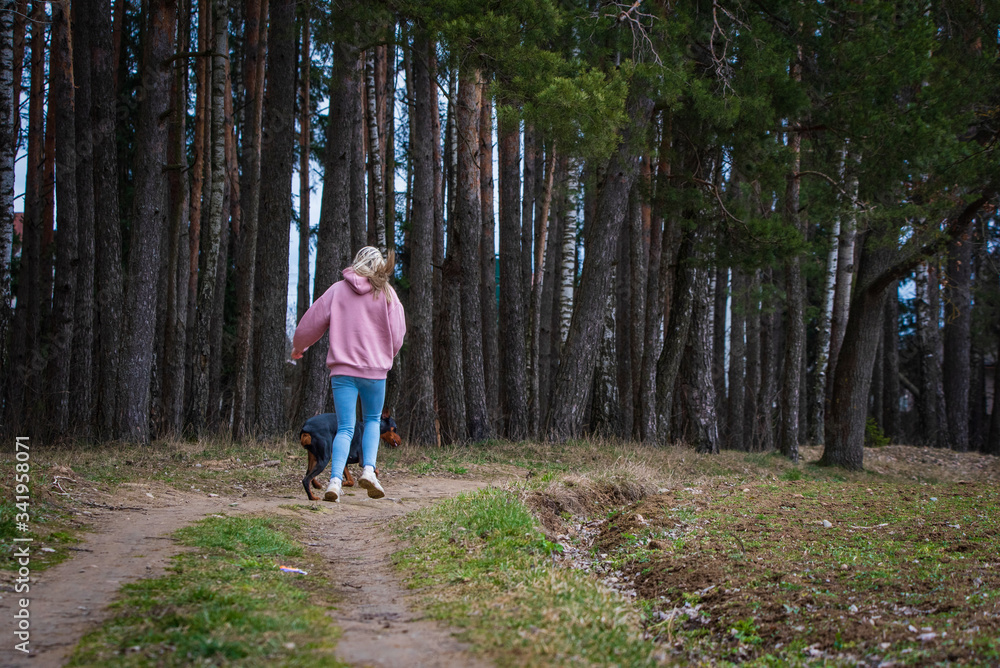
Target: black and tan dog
(317,438)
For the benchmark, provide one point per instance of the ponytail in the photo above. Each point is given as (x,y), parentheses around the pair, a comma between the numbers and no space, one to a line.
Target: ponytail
(378,270)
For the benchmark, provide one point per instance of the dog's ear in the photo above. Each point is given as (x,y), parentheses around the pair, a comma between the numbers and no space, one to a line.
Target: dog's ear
(306,439)
(386,413)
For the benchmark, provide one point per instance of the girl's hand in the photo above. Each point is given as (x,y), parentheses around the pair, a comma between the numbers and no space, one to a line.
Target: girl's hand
(296,354)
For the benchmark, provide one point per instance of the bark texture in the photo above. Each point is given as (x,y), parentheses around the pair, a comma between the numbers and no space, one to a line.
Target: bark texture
(82,380)
(271,284)
(957,370)
(149,224)
(208,268)
(8,141)
(513,332)
(108,251)
(488,264)
(246,241)
(468,219)
(418,388)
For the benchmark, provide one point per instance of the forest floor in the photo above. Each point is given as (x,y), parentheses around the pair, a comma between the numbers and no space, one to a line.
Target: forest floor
(169,556)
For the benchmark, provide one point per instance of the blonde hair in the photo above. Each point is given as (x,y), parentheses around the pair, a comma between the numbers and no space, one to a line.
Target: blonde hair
(377,269)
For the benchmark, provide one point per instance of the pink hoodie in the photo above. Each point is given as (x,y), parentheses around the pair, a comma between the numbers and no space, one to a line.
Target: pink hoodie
(365,332)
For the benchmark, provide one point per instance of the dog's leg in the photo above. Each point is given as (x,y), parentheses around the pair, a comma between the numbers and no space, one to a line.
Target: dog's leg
(306,440)
(348,480)
(315,466)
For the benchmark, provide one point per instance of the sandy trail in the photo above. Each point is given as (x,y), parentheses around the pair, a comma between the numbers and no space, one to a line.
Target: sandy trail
(379,627)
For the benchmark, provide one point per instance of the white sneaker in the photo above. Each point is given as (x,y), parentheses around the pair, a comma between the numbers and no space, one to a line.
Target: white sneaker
(333,491)
(369,482)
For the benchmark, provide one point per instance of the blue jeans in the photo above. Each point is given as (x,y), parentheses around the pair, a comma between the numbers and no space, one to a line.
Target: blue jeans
(346,390)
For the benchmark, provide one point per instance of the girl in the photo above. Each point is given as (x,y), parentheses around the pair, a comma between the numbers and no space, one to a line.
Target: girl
(366,324)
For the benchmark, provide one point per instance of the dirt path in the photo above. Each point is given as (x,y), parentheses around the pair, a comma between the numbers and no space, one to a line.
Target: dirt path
(72,598)
(379,628)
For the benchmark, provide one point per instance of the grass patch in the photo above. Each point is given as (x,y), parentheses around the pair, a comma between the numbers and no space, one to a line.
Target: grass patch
(48,517)
(486,566)
(225,602)
(801,571)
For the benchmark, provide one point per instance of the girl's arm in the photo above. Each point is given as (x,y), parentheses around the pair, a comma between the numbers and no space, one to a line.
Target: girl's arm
(313,325)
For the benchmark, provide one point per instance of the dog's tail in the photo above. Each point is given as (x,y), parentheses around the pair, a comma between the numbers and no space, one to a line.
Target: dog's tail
(306,439)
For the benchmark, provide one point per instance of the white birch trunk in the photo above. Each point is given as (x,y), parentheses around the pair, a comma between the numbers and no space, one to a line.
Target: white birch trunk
(567,271)
(845,268)
(374,156)
(825,318)
(8,142)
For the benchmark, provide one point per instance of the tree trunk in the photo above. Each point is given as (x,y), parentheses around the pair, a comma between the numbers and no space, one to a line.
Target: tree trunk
(271,284)
(845,269)
(699,393)
(468,219)
(620,320)
(26,356)
(359,193)
(720,296)
(550,339)
(527,199)
(246,242)
(14,19)
(448,379)
(605,405)
(753,371)
(488,265)
(110,290)
(928,346)
(770,321)
(823,333)
(795,326)
(199,170)
(149,221)
(875,410)
(172,397)
(82,394)
(653,327)
(569,388)
(535,306)
(890,359)
(993,439)
(375,170)
(737,362)
(8,147)
(882,262)
(567,257)
(116,44)
(418,389)
(676,336)
(957,369)
(20,19)
(61,95)
(513,334)
(438,172)
(210,233)
(387,128)
(305,136)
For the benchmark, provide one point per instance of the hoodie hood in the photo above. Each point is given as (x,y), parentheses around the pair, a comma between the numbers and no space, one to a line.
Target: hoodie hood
(360,284)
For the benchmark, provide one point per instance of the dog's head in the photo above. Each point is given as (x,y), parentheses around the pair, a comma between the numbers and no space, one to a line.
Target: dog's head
(387,427)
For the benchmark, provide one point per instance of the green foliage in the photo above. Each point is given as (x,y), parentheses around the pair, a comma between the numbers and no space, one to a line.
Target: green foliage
(488,568)
(874,437)
(244,535)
